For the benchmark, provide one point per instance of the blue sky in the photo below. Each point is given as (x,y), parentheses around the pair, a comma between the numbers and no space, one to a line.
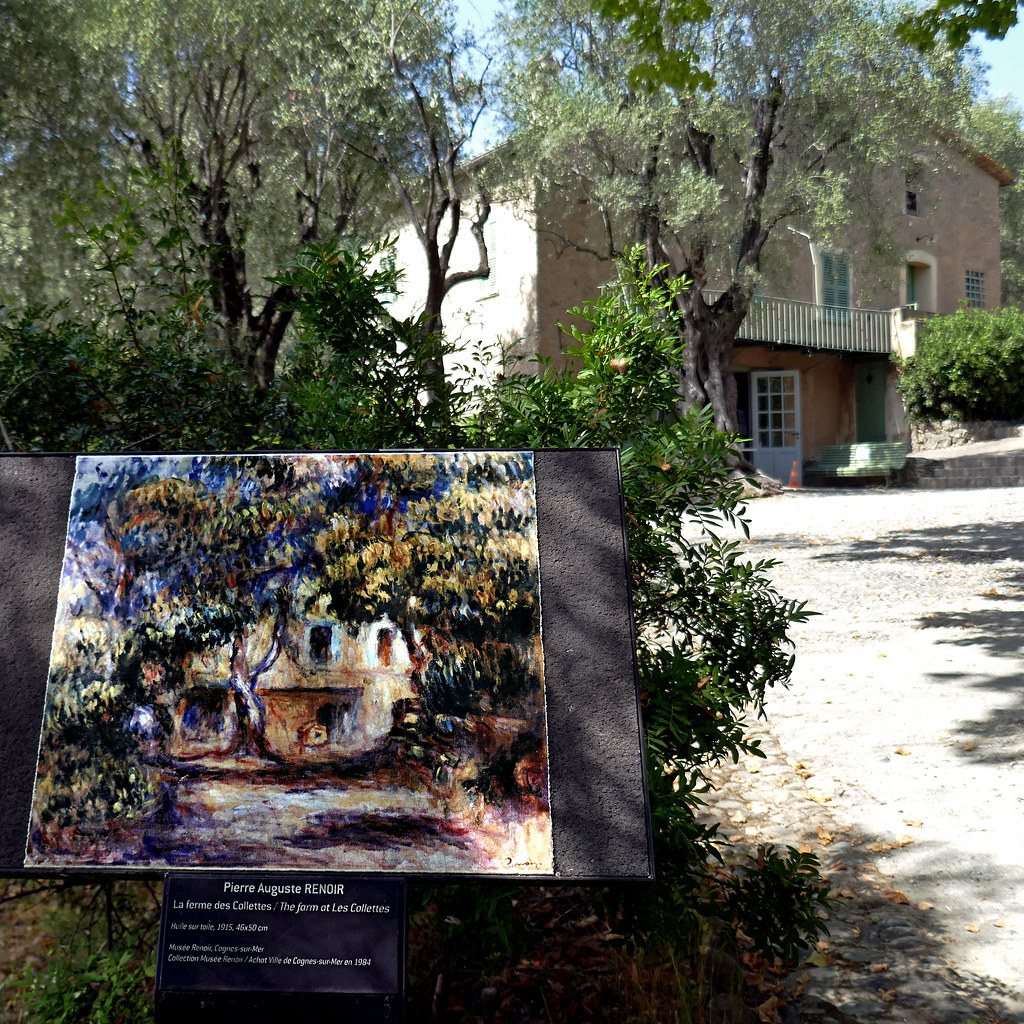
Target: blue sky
(1006,60)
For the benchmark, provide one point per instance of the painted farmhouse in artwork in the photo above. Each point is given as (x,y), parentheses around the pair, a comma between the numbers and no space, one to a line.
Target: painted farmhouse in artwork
(331,693)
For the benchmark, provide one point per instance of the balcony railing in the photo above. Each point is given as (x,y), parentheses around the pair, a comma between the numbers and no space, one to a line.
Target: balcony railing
(832,328)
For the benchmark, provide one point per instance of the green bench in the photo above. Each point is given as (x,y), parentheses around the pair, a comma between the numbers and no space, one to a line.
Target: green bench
(867,458)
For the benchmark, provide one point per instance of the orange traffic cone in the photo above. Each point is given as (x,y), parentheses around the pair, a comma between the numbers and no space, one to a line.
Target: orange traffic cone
(794,477)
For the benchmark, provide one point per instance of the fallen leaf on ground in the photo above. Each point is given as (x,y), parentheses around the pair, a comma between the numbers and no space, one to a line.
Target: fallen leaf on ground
(881,655)
(824,836)
(913,822)
(768,1011)
(902,752)
(879,968)
(882,845)
(847,891)
(805,848)
(895,896)
(992,593)
(818,797)
(972,928)
(925,905)
(887,995)
(1001,924)
(969,746)
(818,959)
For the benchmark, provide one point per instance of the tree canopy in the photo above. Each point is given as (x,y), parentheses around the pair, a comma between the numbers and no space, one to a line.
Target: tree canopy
(955,20)
(806,109)
(276,126)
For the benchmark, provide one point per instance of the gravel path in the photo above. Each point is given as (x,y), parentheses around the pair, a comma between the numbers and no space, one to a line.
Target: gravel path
(902,740)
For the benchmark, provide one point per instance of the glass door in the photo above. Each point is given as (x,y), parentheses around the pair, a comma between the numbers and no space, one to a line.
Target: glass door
(776,403)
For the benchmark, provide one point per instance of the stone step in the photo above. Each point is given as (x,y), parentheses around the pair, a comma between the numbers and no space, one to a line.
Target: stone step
(966,471)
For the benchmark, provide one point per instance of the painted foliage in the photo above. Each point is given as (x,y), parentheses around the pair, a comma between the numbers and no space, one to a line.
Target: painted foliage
(297,661)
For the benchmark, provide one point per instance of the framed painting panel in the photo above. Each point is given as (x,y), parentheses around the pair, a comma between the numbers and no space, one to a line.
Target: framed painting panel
(340,661)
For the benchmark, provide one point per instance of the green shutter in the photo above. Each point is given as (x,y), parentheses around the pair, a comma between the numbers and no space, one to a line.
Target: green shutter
(836,280)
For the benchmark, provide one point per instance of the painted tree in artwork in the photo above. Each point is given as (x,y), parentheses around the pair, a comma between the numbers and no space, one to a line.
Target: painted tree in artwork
(446,548)
(194,556)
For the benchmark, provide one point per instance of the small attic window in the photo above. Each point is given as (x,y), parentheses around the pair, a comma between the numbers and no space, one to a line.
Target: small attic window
(913,193)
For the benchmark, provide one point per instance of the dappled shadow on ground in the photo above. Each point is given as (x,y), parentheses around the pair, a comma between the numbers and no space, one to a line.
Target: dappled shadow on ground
(1000,733)
(967,542)
(886,955)
(994,628)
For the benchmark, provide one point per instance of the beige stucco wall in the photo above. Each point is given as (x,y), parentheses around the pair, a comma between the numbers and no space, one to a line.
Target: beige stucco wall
(957,226)
(484,318)
(568,277)
(955,230)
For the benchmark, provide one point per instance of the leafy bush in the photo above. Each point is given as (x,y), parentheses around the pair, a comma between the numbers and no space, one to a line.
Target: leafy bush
(967,366)
(777,899)
(712,633)
(139,365)
(92,953)
(105,987)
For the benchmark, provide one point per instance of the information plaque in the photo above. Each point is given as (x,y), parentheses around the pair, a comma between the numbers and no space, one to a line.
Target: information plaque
(233,941)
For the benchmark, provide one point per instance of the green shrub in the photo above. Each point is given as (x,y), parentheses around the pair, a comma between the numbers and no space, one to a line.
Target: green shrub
(712,632)
(967,366)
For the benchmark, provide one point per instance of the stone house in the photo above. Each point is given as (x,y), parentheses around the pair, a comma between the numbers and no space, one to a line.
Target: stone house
(329,695)
(812,359)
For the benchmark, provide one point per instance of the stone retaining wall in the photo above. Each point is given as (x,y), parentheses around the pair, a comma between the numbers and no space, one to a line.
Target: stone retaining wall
(930,436)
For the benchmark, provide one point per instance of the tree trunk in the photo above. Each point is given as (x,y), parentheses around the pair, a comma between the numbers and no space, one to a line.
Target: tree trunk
(252,714)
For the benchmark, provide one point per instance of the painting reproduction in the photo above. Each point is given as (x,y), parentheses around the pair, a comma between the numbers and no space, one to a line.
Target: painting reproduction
(297,661)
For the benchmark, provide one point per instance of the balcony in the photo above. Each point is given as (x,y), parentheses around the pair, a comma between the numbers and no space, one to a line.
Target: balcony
(775,321)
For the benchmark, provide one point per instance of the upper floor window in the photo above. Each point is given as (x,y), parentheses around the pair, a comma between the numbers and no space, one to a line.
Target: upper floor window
(835,279)
(835,286)
(974,289)
(913,194)
(320,643)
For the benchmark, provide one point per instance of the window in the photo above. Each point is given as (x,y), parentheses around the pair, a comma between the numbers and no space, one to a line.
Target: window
(974,289)
(913,193)
(835,285)
(913,284)
(320,643)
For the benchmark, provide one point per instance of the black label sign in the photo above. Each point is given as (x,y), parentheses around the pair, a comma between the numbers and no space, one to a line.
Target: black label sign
(254,932)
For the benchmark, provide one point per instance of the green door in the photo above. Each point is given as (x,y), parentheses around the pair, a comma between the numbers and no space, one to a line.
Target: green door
(870,397)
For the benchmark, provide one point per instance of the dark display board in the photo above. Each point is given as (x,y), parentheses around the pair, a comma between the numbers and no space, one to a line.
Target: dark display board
(589,784)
